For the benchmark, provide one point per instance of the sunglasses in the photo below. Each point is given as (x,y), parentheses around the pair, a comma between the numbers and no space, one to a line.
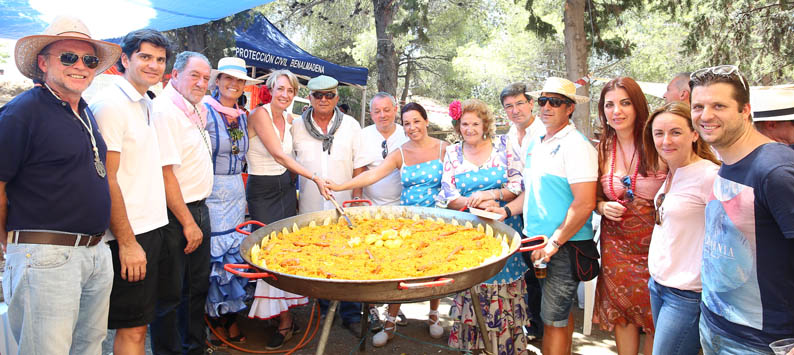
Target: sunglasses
(626,180)
(69,59)
(385,149)
(328,95)
(658,211)
(553,101)
(720,70)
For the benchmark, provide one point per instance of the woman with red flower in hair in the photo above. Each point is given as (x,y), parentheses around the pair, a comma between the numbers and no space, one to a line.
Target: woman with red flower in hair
(485,171)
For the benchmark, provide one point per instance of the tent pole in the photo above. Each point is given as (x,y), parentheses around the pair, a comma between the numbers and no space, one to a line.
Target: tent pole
(363,104)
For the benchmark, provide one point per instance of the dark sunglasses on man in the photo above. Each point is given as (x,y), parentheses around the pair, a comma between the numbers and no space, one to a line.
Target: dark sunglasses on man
(385,149)
(68,59)
(329,95)
(553,101)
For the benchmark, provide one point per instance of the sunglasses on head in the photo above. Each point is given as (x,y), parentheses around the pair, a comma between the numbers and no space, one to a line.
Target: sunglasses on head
(385,149)
(553,101)
(720,70)
(329,95)
(69,59)
(626,180)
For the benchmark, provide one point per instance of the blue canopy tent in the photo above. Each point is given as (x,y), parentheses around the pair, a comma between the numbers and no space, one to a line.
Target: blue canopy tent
(262,45)
(114,18)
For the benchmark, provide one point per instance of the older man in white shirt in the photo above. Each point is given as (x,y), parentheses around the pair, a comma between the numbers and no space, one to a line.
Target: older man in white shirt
(378,140)
(188,177)
(328,143)
(518,104)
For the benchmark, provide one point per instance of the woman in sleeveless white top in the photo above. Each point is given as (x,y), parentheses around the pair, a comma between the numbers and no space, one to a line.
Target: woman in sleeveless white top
(271,193)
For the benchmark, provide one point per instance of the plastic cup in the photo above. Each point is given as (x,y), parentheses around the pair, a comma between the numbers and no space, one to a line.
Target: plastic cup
(540,269)
(782,346)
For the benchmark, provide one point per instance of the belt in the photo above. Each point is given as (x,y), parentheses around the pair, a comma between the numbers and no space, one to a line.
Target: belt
(54,238)
(195,203)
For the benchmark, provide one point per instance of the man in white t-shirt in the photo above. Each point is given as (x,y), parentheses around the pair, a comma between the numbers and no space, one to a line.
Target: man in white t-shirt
(137,193)
(378,140)
(187,173)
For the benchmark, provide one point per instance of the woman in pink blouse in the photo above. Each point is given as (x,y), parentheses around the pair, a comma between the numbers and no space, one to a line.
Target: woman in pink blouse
(676,245)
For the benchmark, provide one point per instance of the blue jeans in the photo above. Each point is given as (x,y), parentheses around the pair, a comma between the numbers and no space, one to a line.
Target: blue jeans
(58,297)
(713,344)
(675,317)
(350,312)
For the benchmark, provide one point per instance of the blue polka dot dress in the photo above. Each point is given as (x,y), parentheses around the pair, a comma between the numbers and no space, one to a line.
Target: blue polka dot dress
(421,183)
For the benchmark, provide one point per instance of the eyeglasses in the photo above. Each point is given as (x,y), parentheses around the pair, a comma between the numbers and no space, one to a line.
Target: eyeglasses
(329,95)
(720,70)
(626,180)
(385,149)
(510,107)
(68,59)
(553,101)
(658,211)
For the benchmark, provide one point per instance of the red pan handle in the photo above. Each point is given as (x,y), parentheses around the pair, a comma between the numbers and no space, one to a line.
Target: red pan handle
(440,282)
(240,230)
(544,238)
(248,275)
(344,204)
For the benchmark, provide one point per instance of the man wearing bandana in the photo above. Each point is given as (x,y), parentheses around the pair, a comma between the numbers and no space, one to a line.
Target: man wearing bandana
(327,142)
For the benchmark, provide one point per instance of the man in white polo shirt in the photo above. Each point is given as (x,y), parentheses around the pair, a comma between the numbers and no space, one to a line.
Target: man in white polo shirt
(188,174)
(558,201)
(377,141)
(137,193)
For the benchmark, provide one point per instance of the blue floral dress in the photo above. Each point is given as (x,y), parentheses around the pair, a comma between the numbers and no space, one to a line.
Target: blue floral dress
(502,296)
(226,205)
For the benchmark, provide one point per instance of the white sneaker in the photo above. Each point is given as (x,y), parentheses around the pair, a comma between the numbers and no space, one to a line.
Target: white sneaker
(436,330)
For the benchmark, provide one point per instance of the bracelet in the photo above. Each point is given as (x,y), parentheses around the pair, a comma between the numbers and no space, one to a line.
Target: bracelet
(554,243)
(356,197)
(501,196)
(508,212)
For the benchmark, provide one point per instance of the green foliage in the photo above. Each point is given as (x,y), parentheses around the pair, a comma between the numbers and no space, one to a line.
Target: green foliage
(757,35)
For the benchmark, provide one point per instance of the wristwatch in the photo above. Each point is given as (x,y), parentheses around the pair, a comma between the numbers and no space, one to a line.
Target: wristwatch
(554,243)
(508,213)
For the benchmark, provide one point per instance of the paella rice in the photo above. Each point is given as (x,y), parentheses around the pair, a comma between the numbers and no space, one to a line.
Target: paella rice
(378,248)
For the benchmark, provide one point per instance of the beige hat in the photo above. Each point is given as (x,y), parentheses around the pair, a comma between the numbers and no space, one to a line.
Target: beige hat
(560,86)
(232,66)
(62,28)
(322,83)
(772,104)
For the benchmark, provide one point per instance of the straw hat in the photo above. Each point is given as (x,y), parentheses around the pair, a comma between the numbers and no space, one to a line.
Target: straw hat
(232,66)
(560,86)
(62,28)
(773,104)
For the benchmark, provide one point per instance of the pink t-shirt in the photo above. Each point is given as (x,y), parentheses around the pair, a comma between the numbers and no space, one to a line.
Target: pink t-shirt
(675,254)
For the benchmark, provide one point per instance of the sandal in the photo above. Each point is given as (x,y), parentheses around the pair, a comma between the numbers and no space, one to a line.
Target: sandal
(402,320)
(386,334)
(277,340)
(436,330)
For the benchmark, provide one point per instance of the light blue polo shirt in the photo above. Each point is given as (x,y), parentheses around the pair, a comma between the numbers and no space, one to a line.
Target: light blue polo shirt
(551,167)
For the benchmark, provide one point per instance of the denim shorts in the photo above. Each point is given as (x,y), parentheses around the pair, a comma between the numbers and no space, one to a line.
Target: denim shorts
(559,289)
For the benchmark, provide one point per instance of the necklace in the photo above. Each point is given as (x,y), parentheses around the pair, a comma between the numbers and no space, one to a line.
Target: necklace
(201,132)
(234,132)
(629,184)
(98,165)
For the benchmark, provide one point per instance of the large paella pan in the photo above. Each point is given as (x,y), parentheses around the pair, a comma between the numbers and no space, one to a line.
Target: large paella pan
(391,290)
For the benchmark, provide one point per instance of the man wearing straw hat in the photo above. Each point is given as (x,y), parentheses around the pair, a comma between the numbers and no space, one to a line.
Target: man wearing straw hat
(137,194)
(560,177)
(773,114)
(54,197)
(186,156)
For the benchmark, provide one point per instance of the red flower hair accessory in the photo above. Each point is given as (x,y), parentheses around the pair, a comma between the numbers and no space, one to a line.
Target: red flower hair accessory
(264,95)
(455,110)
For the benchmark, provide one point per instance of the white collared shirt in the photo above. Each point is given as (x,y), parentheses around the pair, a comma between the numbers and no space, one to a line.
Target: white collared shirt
(184,145)
(338,166)
(385,191)
(123,117)
(535,129)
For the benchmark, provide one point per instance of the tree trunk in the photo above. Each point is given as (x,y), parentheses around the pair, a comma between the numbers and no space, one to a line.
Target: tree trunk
(409,68)
(576,60)
(386,55)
